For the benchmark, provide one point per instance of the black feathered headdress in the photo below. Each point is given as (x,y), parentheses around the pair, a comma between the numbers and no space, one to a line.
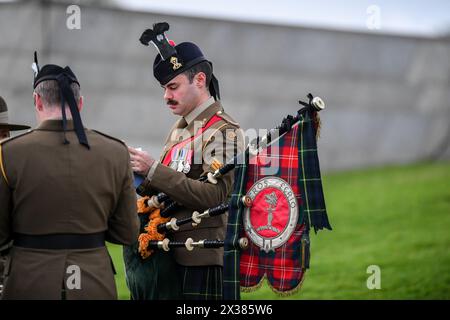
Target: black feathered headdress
(172,59)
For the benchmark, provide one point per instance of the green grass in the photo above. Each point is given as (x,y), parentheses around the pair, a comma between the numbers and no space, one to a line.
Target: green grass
(396,217)
(116,254)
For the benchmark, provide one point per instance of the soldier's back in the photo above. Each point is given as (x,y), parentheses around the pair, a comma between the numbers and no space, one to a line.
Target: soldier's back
(63,188)
(66,195)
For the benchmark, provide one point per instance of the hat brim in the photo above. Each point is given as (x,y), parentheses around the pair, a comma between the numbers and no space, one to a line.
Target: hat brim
(13,127)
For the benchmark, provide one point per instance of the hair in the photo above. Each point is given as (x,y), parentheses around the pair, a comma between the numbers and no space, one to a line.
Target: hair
(50,94)
(204,67)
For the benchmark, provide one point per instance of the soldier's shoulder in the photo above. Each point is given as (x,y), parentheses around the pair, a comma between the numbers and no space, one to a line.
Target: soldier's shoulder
(227,127)
(17,138)
(227,118)
(109,138)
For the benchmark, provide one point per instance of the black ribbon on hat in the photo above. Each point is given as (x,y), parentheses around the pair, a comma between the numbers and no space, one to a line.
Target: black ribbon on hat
(64,77)
(66,95)
(214,87)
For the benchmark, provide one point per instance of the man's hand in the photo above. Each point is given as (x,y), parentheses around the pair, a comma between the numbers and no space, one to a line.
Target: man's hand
(141,161)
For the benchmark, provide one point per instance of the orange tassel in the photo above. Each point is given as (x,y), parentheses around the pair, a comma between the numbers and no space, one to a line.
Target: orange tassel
(152,233)
(142,205)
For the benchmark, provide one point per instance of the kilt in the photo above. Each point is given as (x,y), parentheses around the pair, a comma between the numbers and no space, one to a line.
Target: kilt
(201,283)
(154,278)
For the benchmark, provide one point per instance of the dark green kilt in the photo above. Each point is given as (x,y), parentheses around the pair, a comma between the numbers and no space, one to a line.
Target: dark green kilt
(154,278)
(201,283)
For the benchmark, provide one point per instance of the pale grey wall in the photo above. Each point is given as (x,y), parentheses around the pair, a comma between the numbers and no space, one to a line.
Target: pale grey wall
(388,96)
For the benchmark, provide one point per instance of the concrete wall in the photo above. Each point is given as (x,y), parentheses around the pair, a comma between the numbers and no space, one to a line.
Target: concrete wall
(388,96)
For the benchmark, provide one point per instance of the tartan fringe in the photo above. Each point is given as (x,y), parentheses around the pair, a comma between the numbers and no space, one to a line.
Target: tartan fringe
(274,290)
(255,287)
(319,221)
(289,292)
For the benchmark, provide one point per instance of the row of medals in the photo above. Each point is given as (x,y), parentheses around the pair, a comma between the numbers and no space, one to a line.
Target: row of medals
(180,160)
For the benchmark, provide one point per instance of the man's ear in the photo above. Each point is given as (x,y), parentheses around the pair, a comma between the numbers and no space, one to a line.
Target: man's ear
(200,79)
(80,103)
(38,102)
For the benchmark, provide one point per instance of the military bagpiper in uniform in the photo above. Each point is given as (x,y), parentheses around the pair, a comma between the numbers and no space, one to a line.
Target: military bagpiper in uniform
(5,128)
(64,190)
(204,134)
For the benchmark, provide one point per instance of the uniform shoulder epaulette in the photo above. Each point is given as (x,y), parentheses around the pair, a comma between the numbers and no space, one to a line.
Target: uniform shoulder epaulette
(3,142)
(227,118)
(228,128)
(108,136)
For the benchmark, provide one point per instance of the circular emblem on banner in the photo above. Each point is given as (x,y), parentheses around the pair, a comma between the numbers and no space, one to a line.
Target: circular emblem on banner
(273,216)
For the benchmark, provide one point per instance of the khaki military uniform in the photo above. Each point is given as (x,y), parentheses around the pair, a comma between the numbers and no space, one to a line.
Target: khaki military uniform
(49,189)
(221,141)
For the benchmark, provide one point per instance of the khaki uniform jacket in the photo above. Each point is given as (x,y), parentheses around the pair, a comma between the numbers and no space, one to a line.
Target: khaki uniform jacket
(46,188)
(221,141)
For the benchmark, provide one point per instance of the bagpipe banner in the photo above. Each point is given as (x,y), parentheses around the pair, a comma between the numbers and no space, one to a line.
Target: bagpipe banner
(282,188)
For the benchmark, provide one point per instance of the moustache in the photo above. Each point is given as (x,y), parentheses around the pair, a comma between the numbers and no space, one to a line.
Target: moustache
(172,102)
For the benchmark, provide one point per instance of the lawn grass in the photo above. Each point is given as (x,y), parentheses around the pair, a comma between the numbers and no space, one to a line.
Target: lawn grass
(397,218)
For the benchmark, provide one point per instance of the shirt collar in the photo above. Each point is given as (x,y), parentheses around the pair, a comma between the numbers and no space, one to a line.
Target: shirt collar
(55,125)
(198,110)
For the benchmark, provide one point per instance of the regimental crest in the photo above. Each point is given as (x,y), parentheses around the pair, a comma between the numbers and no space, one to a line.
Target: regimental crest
(273,215)
(176,65)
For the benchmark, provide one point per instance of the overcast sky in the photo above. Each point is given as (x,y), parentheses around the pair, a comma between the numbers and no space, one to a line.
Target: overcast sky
(414,17)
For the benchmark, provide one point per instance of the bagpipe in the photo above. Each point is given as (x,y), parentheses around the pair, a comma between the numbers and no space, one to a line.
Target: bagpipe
(277,197)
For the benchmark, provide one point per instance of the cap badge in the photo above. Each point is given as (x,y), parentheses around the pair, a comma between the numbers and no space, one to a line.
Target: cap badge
(176,64)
